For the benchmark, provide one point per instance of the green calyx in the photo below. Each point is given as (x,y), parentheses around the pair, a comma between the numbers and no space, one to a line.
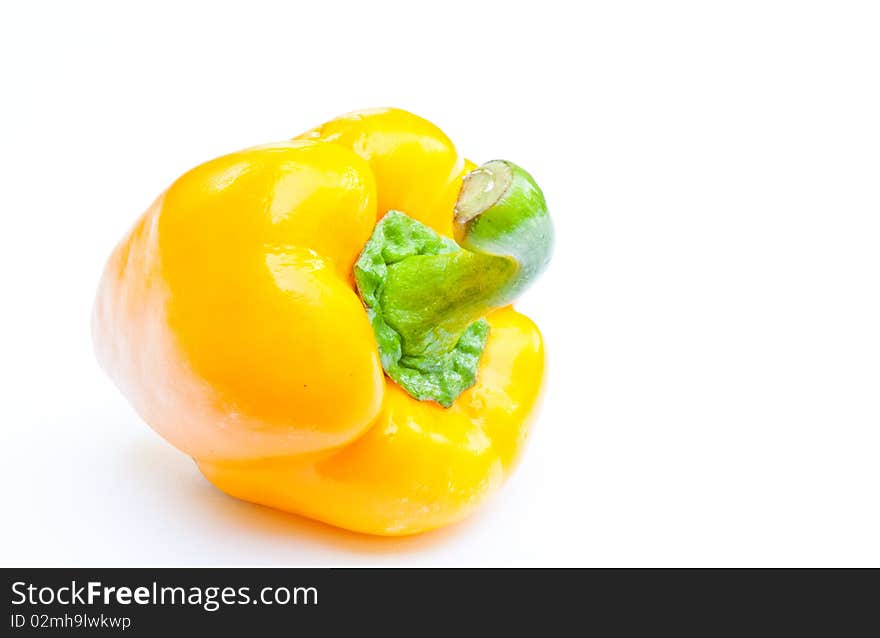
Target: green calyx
(443,371)
(426,295)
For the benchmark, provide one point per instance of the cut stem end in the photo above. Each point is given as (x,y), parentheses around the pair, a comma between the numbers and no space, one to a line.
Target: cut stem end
(481,189)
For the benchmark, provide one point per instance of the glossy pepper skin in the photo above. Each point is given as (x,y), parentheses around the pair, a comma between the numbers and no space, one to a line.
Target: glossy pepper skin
(230,319)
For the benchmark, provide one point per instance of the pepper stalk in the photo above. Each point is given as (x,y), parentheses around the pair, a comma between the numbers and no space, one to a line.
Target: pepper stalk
(426,295)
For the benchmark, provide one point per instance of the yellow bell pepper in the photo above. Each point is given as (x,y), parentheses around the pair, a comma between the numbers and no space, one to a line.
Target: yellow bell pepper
(230,317)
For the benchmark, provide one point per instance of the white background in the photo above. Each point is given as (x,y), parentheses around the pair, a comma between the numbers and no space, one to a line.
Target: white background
(712,314)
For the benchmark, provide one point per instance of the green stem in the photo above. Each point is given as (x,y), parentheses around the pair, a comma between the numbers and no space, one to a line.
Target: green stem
(426,295)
